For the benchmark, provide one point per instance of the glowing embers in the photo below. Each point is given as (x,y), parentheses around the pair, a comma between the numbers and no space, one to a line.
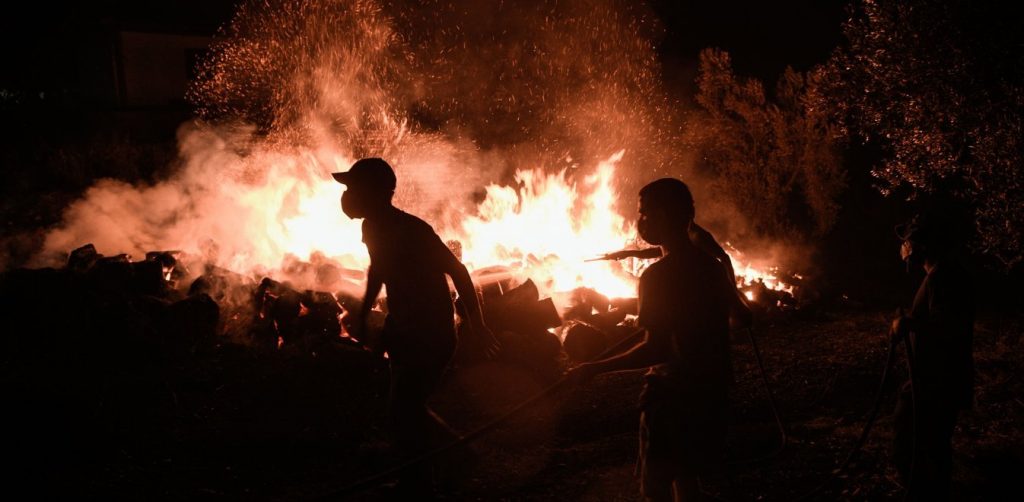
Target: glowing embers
(747,275)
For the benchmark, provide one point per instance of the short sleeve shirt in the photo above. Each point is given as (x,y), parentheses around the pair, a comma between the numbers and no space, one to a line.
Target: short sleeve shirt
(411,260)
(943,314)
(685,298)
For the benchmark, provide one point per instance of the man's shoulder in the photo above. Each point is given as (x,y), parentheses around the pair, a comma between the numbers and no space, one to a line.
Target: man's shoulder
(663,274)
(656,269)
(398,221)
(401,218)
(414,226)
(949,278)
(707,263)
(683,270)
(695,259)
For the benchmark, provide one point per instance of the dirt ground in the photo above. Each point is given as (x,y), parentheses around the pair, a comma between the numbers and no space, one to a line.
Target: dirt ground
(825,372)
(232,424)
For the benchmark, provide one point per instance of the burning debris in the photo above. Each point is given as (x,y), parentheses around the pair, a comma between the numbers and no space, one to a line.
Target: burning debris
(219,305)
(765,300)
(195,306)
(595,323)
(265,269)
(307,321)
(522,322)
(294,90)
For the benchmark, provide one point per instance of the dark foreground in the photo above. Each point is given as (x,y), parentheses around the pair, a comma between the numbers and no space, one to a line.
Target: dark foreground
(95,415)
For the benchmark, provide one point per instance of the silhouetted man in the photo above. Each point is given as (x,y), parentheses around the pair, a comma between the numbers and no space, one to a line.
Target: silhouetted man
(686,299)
(408,257)
(941,330)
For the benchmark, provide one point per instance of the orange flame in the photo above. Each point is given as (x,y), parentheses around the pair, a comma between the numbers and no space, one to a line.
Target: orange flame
(548,228)
(247,203)
(747,274)
(544,229)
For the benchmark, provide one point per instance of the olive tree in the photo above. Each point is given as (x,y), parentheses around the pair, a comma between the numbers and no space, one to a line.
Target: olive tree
(776,158)
(939,87)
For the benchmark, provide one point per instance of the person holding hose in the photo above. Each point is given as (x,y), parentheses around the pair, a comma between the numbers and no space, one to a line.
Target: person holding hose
(940,328)
(686,299)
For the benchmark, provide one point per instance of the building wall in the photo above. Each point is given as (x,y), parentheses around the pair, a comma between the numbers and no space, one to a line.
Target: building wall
(155,68)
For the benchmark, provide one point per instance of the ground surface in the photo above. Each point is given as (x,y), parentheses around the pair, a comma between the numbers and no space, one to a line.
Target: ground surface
(233,424)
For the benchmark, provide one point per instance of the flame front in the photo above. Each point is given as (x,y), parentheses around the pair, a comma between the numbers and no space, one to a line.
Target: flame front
(747,274)
(329,81)
(544,228)
(547,229)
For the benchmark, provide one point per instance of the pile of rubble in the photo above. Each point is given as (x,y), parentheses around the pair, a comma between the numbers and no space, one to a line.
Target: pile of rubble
(181,311)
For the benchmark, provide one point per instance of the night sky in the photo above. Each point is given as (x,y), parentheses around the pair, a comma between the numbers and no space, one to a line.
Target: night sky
(763,37)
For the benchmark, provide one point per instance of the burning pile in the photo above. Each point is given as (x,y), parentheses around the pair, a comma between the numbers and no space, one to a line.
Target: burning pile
(526,249)
(293,91)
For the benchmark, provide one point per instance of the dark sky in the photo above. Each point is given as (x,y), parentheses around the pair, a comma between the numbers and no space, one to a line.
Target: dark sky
(763,37)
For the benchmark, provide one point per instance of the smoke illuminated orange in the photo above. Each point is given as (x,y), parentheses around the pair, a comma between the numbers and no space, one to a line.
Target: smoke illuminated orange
(544,229)
(452,109)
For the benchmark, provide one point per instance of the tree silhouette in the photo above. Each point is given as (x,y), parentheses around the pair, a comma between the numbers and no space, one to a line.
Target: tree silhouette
(776,160)
(938,86)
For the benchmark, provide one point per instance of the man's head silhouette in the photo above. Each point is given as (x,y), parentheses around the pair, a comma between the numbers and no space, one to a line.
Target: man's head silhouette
(666,211)
(928,235)
(371,184)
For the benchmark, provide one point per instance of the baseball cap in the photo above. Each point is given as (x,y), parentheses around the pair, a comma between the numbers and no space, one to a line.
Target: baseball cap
(371,172)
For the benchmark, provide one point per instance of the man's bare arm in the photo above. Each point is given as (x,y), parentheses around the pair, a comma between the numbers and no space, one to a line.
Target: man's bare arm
(373,286)
(740,315)
(467,293)
(648,353)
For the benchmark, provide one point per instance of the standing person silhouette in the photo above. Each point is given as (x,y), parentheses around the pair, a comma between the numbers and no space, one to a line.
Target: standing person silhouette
(686,300)
(940,329)
(409,258)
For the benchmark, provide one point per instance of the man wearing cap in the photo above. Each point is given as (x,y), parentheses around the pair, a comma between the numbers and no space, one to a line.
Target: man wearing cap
(408,257)
(940,327)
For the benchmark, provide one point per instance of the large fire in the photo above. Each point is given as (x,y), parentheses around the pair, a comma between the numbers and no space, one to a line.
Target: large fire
(545,228)
(548,228)
(453,110)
